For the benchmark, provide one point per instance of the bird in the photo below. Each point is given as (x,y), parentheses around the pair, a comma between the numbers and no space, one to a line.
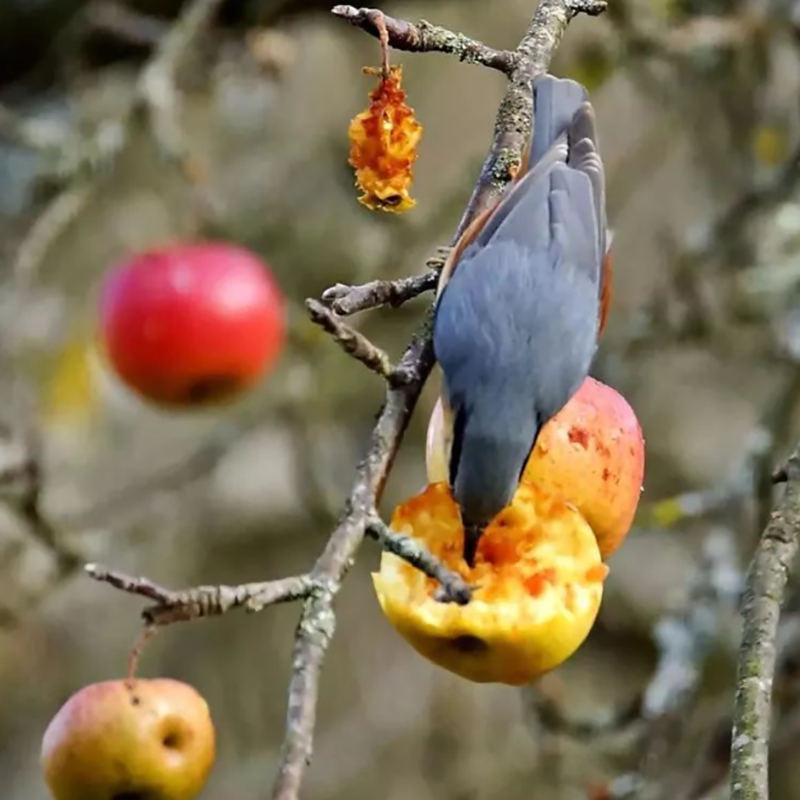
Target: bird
(522,300)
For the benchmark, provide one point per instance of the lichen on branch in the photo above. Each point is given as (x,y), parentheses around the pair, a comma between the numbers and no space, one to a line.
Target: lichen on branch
(761,608)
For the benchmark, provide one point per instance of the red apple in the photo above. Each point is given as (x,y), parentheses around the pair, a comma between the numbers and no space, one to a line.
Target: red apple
(143,739)
(191,324)
(590,454)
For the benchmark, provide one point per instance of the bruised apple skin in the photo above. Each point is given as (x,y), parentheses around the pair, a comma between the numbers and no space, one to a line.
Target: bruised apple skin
(590,454)
(138,740)
(539,579)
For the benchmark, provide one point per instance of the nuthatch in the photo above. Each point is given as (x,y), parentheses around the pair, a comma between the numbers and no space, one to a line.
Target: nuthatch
(521,304)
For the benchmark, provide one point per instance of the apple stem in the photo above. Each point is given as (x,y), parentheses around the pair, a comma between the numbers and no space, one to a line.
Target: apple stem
(147,633)
(383,36)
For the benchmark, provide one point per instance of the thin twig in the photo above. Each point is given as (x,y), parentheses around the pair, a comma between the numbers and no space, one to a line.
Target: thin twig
(22,480)
(135,655)
(685,638)
(157,85)
(736,487)
(157,93)
(685,641)
(124,23)
(379,20)
(30,509)
(48,227)
(423,37)
(766,583)
(347,300)
(355,344)
(453,587)
(202,601)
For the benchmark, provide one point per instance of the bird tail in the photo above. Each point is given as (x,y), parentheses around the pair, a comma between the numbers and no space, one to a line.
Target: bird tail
(556,101)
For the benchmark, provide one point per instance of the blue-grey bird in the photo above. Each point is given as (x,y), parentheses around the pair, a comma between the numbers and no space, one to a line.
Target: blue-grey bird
(519,306)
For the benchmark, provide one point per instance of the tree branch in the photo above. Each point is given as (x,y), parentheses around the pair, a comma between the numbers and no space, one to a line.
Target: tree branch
(454,588)
(317,621)
(355,344)
(347,300)
(426,38)
(513,123)
(124,23)
(764,592)
(157,90)
(202,601)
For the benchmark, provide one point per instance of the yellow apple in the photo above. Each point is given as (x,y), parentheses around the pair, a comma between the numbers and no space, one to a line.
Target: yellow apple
(131,740)
(538,577)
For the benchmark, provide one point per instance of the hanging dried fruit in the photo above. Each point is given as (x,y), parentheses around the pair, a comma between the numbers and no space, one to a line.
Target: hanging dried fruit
(384,140)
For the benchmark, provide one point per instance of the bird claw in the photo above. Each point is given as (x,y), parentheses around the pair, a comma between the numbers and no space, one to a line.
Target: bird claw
(459,595)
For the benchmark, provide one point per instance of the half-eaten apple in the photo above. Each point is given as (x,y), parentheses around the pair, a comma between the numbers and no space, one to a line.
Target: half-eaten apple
(538,582)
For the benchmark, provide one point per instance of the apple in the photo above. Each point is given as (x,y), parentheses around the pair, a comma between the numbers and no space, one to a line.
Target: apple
(538,583)
(590,454)
(191,324)
(129,740)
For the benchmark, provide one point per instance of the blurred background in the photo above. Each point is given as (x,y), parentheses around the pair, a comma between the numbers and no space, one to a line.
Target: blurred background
(698,105)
